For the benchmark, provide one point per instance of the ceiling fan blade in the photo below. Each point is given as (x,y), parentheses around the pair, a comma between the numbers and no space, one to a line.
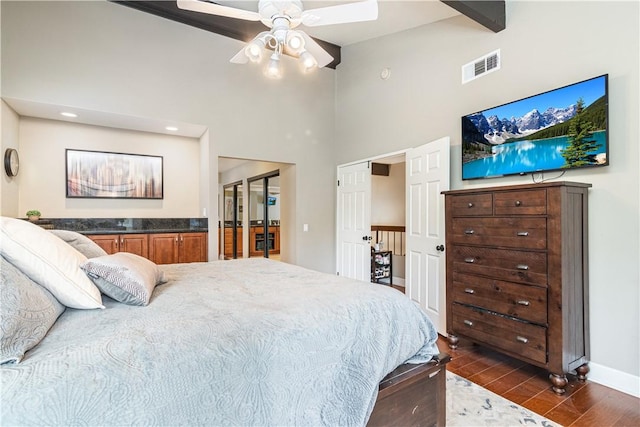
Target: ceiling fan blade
(316,50)
(351,12)
(216,9)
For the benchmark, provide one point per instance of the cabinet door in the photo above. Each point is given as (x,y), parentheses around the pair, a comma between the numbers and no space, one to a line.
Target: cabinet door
(108,242)
(163,248)
(193,247)
(135,243)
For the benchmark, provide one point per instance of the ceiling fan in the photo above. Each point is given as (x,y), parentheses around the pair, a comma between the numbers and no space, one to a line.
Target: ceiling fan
(283,17)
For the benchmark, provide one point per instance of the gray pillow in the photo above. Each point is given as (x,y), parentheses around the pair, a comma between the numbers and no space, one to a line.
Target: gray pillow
(125,277)
(28,311)
(81,243)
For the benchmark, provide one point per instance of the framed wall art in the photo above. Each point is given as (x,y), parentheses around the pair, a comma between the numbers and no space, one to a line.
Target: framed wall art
(98,174)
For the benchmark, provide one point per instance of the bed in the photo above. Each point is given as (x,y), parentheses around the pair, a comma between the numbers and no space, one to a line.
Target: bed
(241,342)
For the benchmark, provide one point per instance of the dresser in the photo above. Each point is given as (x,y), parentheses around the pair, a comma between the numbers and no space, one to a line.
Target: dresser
(517,273)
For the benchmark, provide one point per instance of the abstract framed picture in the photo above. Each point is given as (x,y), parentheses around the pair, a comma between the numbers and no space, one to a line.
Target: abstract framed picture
(105,175)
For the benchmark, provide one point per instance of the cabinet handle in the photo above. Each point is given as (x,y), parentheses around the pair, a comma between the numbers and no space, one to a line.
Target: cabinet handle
(468,322)
(522,267)
(523,302)
(523,340)
(523,233)
(470,260)
(468,232)
(122,241)
(469,291)
(176,239)
(470,205)
(518,203)
(181,238)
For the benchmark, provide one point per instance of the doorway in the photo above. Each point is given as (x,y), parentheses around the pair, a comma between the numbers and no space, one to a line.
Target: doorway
(264,215)
(426,176)
(232,224)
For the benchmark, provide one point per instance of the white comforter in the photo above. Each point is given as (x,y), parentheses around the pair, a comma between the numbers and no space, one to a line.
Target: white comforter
(246,342)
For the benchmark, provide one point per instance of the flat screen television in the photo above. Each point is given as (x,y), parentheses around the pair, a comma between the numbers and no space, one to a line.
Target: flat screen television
(561,129)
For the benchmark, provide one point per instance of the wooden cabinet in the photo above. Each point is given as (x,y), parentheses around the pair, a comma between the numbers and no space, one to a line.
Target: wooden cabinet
(171,248)
(228,242)
(257,240)
(517,273)
(135,243)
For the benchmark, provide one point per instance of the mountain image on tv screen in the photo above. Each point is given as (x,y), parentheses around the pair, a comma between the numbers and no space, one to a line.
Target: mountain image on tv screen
(560,129)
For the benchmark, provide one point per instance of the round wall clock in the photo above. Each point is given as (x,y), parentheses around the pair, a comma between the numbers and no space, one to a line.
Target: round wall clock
(11,161)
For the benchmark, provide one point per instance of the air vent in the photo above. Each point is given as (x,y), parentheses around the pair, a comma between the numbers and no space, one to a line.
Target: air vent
(481,66)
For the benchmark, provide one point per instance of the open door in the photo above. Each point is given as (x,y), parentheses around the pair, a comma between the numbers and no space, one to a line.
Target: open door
(354,221)
(427,175)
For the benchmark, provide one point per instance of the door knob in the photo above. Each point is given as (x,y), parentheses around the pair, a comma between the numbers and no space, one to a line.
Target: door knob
(440,248)
(366,238)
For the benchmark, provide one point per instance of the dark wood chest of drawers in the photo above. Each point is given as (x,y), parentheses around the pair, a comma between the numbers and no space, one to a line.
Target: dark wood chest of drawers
(517,273)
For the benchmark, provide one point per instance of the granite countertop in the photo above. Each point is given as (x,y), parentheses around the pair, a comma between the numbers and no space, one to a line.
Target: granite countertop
(92,226)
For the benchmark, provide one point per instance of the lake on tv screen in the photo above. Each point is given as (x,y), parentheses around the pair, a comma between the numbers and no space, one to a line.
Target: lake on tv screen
(527,156)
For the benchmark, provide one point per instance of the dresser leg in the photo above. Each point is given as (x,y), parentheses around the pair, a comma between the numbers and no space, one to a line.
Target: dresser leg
(582,372)
(453,341)
(558,382)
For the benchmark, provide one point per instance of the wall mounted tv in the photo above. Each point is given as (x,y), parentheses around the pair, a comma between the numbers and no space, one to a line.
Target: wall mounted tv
(558,130)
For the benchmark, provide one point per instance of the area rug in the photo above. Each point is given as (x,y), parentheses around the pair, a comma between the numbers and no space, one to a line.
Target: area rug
(469,404)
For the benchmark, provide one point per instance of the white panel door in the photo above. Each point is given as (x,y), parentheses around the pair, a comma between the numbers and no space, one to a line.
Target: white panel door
(354,221)
(427,174)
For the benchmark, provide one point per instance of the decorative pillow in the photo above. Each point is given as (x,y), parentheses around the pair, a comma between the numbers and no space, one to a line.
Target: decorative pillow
(125,277)
(49,262)
(28,311)
(81,243)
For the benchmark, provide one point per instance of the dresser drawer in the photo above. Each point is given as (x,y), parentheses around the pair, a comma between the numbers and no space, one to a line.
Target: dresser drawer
(522,301)
(502,332)
(472,205)
(527,202)
(514,232)
(503,264)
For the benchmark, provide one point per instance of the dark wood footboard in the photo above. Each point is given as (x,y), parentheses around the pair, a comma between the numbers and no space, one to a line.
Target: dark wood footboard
(413,395)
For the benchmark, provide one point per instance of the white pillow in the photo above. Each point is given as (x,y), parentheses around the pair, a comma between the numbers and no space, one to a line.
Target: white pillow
(48,261)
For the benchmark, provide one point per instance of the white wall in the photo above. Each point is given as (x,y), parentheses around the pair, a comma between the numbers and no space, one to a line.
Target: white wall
(42,186)
(107,57)
(388,197)
(546,45)
(9,186)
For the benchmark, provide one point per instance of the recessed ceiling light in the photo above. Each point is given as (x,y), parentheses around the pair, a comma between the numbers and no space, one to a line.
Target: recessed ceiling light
(67,114)
(171,128)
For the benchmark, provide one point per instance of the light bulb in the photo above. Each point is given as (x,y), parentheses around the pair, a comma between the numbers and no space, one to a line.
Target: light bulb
(307,61)
(254,50)
(272,69)
(295,41)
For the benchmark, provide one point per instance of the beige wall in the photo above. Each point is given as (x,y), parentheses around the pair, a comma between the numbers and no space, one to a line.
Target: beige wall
(10,139)
(388,197)
(116,59)
(546,45)
(42,186)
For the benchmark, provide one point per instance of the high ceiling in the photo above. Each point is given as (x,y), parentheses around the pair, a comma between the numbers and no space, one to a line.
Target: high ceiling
(394,16)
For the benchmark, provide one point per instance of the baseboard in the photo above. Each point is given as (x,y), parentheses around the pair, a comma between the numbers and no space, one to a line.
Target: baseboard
(615,379)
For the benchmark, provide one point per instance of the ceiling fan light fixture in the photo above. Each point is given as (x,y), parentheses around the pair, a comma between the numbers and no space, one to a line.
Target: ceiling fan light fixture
(272,70)
(295,41)
(307,62)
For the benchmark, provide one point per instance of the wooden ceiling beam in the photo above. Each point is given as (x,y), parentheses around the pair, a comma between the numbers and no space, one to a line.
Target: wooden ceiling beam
(490,14)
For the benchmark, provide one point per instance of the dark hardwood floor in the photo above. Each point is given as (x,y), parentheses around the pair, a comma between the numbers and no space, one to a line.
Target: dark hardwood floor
(584,403)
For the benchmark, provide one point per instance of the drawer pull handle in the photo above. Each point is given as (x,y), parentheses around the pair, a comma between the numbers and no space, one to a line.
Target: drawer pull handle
(518,203)
(469,291)
(522,267)
(523,233)
(468,322)
(470,260)
(523,340)
(469,231)
(470,205)
(523,302)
